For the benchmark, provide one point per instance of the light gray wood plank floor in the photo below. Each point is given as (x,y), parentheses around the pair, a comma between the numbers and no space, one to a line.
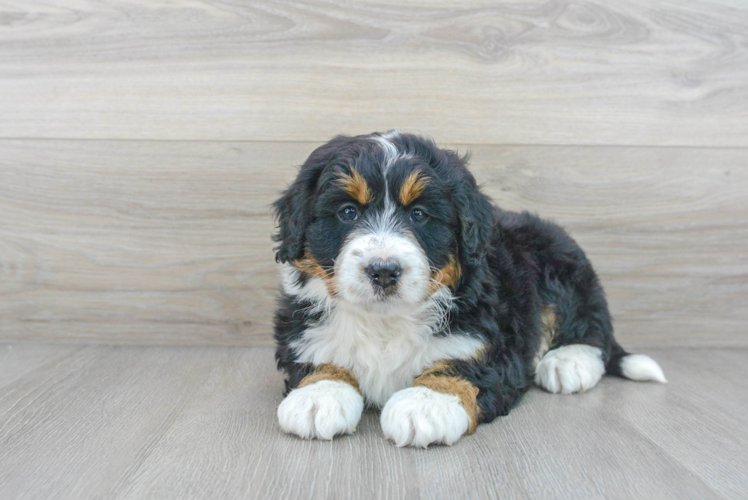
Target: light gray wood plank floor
(199,422)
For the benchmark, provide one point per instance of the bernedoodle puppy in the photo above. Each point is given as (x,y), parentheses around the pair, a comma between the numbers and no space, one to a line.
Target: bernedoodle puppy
(404,288)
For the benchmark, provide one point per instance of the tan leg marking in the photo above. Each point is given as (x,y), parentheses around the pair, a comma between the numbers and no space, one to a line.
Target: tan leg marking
(548,330)
(330,372)
(441,378)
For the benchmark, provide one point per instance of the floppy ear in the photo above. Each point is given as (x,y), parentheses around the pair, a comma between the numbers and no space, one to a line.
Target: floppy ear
(294,211)
(289,212)
(475,212)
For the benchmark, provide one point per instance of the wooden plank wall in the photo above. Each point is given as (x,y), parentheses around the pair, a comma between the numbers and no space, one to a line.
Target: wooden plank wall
(142,141)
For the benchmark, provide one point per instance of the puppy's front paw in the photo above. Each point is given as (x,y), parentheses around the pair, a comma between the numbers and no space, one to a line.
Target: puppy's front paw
(419,416)
(321,410)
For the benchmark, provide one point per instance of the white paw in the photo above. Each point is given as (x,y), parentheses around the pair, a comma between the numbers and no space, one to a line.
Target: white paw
(321,410)
(570,368)
(418,416)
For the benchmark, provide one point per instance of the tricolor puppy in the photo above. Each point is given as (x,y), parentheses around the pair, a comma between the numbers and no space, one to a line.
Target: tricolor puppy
(404,288)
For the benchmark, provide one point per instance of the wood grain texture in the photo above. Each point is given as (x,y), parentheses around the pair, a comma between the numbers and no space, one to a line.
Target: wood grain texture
(530,72)
(144,242)
(17,360)
(169,242)
(199,422)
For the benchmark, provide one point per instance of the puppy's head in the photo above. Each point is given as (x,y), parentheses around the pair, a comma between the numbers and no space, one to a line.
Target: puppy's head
(382,222)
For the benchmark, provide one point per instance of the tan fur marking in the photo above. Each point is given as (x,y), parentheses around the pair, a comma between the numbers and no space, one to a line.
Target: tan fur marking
(439,368)
(309,266)
(447,276)
(356,186)
(330,372)
(548,330)
(412,188)
(438,378)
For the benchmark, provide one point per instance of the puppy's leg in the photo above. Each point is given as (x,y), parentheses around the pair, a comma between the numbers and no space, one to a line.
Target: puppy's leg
(439,408)
(577,328)
(327,402)
(574,336)
(450,400)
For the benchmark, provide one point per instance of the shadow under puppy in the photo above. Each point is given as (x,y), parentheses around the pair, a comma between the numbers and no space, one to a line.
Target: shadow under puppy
(404,288)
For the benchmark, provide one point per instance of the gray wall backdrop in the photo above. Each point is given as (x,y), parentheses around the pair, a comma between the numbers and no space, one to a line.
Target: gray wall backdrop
(142,141)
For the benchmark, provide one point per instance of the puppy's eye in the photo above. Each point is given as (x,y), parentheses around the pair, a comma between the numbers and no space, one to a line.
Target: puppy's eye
(418,215)
(348,214)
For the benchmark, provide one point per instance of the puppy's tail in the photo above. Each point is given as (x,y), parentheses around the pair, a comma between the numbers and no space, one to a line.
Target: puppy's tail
(639,367)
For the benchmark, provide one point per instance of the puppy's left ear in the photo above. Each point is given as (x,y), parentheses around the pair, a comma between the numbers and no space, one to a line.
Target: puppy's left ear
(475,211)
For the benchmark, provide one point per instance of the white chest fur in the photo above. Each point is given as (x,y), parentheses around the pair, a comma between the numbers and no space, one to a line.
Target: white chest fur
(385,353)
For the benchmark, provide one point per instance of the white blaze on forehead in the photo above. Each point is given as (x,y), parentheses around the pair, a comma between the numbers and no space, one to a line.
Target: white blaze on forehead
(382,221)
(391,152)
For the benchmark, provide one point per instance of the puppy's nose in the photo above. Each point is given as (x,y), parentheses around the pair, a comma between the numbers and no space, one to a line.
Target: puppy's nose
(384,273)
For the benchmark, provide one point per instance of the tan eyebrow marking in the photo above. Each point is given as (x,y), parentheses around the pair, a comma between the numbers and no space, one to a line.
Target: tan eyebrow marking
(412,188)
(356,186)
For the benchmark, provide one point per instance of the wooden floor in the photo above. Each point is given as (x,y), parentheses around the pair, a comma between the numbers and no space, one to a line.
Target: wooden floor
(82,422)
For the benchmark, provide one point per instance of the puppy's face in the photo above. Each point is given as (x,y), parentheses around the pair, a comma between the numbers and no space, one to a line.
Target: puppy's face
(377,219)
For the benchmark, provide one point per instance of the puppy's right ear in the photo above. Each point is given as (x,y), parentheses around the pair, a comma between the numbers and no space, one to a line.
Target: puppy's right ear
(294,211)
(289,209)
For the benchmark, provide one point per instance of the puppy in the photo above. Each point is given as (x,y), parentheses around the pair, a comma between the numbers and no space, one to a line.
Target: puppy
(404,288)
